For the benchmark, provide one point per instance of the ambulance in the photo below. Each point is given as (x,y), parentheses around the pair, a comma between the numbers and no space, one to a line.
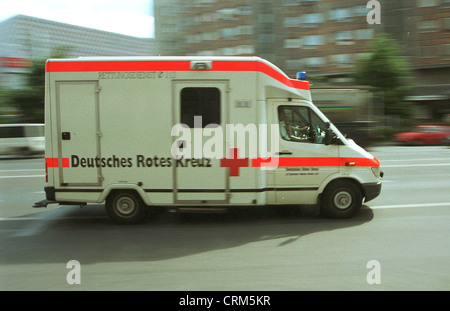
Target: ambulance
(194,133)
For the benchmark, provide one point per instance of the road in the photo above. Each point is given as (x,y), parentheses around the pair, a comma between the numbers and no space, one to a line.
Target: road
(399,241)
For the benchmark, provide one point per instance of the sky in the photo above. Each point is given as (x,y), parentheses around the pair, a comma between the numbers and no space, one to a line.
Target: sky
(129,17)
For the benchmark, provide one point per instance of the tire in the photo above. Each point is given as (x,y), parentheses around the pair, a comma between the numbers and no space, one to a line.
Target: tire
(341,199)
(125,207)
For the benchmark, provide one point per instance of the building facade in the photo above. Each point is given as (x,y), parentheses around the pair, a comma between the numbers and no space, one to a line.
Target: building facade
(24,39)
(323,37)
(313,35)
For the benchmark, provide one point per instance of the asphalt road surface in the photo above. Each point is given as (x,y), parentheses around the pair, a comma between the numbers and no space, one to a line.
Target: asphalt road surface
(399,241)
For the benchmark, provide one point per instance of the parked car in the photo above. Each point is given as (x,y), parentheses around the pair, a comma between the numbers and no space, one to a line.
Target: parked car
(447,141)
(425,135)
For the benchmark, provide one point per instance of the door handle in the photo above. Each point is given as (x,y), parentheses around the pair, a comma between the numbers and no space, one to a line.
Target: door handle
(65,135)
(284,152)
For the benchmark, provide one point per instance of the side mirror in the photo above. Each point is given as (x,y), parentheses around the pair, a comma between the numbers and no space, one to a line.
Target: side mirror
(328,134)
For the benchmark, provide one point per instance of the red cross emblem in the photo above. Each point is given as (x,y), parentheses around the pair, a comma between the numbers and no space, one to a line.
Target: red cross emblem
(233,162)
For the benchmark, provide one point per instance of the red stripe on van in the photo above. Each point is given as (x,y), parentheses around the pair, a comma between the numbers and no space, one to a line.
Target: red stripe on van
(92,66)
(322,161)
(54,162)
(51,162)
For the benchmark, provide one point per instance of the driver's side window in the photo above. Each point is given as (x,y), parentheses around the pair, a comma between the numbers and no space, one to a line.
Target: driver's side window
(300,124)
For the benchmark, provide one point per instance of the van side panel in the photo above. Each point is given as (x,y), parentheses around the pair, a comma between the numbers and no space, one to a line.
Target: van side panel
(135,122)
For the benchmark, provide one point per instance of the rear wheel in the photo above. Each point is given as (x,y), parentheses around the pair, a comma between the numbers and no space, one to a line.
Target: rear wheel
(341,199)
(125,207)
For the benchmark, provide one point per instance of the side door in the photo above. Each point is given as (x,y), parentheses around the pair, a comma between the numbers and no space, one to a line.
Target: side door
(78,128)
(198,176)
(304,159)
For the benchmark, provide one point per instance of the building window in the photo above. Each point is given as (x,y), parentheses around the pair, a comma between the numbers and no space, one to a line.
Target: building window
(245,29)
(245,10)
(200,101)
(360,10)
(227,14)
(428,25)
(364,34)
(291,2)
(340,14)
(314,40)
(294,63)
(292,43)
(342,60)
(344,37)
(291,21)
(313,62)
(311,19)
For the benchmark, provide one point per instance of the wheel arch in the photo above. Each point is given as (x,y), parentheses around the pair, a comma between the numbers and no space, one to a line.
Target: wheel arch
(124,187)
(336,178)
(329,200)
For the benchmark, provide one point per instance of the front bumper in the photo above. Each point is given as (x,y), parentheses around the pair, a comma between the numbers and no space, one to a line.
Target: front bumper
(371,191)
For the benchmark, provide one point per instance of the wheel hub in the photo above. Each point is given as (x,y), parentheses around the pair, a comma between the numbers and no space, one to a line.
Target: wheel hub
(125,206)
(343,200)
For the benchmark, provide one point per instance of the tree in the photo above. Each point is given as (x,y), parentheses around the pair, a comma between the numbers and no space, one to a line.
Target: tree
(29,100)
(389,72)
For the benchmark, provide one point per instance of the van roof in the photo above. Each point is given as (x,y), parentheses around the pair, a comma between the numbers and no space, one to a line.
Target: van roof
(168,59)
(172,63)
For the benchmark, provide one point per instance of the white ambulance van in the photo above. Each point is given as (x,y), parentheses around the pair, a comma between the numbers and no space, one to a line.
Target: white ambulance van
(140,132)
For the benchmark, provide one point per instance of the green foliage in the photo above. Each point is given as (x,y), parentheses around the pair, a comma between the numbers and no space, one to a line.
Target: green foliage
(28,101)
(388,71)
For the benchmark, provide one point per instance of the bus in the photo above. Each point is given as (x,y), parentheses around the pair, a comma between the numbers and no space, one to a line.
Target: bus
(22,139)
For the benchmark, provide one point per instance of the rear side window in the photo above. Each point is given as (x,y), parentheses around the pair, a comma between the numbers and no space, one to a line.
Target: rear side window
(202,102)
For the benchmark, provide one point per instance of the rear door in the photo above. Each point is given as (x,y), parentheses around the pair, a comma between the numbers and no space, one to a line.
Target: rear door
(78,133)
(198,177)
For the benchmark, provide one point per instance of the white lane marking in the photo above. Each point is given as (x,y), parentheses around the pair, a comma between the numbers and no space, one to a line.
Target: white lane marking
(419,160)
(28,170)
(411,205)
(22,176)
(43,218)
(415,165)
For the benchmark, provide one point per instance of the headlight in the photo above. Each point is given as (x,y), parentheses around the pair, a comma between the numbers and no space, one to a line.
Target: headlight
(377,172)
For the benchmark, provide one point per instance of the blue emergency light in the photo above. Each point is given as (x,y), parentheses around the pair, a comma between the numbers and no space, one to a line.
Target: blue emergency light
(301,75)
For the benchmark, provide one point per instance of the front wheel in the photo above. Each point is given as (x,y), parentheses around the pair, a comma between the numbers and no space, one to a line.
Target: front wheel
(341,199)
(125,207)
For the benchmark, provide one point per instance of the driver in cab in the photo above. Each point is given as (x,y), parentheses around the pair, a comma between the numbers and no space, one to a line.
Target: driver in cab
(290,132)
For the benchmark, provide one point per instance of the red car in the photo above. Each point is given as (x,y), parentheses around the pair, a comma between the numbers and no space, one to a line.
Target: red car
(425,134)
